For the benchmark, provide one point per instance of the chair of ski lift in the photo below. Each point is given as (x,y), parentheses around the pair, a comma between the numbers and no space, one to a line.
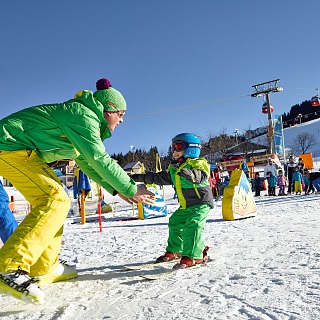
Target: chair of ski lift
(315,101)
(265,108)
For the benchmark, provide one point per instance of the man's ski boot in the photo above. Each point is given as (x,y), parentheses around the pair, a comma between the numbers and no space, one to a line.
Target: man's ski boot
(168,256)
(62,272)
(187,262)
(18,284)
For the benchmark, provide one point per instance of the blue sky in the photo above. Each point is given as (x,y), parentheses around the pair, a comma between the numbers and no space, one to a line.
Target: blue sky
(183,66)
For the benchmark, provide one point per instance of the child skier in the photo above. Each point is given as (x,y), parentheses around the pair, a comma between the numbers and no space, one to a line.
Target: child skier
(308,186)
(215,180)
(190,176)
(297,180)
(281,182)
(272,183)
(257,181)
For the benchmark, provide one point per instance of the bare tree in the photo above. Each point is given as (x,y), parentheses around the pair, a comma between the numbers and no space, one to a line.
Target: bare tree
(221,144)
(206,149)
(302,142)
(250,142)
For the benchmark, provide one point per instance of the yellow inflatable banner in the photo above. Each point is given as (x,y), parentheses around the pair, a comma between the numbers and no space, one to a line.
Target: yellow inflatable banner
(238,202)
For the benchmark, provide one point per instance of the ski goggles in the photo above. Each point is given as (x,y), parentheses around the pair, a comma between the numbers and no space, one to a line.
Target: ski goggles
(179,146)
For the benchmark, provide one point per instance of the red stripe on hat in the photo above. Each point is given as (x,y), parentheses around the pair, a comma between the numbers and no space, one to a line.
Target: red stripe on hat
(112,105)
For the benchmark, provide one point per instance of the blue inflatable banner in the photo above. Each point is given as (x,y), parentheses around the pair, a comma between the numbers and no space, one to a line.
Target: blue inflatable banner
(158,209)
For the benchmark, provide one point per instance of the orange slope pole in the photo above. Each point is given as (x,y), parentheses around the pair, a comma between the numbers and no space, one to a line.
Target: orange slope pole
(83,208)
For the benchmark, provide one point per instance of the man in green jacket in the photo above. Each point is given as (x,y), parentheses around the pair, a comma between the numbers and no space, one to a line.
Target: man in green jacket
(35,136)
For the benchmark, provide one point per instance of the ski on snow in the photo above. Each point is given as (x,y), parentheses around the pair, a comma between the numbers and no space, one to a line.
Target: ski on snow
(168,272)
(160,270)
(148,265)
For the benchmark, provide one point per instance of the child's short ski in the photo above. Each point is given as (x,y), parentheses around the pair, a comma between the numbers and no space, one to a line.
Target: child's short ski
(151,264)
(164,274)
(169,272)
(148,265)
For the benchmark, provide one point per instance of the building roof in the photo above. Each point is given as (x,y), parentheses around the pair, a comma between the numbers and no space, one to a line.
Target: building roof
(131,165)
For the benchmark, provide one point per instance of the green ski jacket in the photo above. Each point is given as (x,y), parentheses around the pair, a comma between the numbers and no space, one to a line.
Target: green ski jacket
(74,129)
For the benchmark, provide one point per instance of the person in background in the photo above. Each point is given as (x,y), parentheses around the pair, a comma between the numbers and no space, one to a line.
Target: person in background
(300,165)
(290,170)
(308,185)
(29,140)
(297,180)
(272,183)
(215,180)
(8,222)
(315,180)
(270,167)
(190,176)
(281,182)
(257,181)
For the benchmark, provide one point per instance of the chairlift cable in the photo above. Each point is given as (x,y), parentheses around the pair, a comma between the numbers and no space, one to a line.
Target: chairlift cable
(195,105)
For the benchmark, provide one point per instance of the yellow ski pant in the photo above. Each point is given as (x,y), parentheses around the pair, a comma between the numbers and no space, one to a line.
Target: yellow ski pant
(35,244)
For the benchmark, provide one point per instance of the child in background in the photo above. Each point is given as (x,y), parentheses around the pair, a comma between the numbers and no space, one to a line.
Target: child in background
(297,180)
(308,186)
(272,183)
(214,182)
(257,184)
(190,176)
(281,182)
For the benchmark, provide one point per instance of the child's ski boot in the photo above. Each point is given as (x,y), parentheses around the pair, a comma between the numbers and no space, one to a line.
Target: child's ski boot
(187,262)
(168,256)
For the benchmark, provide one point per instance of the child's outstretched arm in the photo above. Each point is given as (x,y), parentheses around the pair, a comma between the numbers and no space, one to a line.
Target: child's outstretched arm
(159,178)
(193,175)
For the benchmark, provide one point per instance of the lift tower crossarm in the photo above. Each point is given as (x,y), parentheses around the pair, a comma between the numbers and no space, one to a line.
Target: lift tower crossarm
(266,87)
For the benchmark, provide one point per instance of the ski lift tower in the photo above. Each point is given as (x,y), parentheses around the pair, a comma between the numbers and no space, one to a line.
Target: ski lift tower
(264,89)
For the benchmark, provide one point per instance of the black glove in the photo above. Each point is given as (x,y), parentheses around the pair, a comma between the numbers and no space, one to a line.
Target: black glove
(194,176)
(187,174)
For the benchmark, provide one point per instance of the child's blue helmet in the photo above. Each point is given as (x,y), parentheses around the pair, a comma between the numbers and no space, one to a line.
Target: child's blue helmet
(192,144)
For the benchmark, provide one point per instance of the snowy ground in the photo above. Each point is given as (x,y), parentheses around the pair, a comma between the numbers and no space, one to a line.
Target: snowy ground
(265,267)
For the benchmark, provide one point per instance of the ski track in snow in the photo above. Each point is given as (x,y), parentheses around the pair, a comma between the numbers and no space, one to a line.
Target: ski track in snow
(264,268)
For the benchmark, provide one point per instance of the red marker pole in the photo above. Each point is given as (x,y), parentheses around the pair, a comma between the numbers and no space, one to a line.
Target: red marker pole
(99,209)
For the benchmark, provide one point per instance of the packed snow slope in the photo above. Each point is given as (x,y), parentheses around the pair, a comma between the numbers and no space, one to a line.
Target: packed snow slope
(311,127)
(265,267)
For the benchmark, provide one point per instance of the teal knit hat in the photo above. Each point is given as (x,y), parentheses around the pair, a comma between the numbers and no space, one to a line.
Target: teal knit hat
(111,99)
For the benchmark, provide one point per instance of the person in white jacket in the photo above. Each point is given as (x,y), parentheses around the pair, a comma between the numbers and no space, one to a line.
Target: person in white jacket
(270,167)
